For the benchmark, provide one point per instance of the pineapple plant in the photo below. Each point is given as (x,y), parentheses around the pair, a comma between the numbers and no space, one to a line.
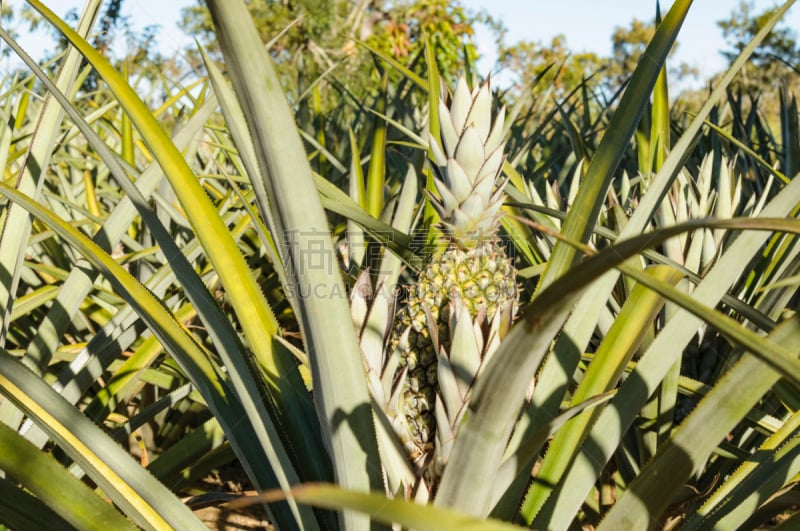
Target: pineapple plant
(465,298)
(88,359)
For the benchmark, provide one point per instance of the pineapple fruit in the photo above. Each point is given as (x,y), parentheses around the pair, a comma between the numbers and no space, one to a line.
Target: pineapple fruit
(465,298)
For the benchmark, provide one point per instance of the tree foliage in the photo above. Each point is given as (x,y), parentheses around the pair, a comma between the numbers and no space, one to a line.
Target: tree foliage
(774,63)
(764,88)
(527,60)
(312,38)
(562,69)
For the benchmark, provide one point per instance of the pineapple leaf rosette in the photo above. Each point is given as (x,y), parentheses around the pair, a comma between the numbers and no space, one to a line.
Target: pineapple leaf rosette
(465,298)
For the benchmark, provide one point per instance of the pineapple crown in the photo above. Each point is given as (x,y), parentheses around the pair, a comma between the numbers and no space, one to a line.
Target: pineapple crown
(470,160)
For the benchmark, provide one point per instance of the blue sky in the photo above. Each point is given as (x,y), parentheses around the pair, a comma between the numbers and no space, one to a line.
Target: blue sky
(587,24)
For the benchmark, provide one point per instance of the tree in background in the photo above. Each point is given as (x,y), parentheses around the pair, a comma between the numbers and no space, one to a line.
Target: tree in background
(774,64)
(314,39)
(763,102)
(554,62)
(6,19)
(628,45)
(527,60)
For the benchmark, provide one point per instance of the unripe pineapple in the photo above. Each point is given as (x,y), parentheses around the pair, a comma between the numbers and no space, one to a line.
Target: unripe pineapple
(472,281)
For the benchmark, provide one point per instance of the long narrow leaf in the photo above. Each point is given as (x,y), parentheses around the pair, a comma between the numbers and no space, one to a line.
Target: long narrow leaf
(614,353)
(175,338)
(753,481)
(587,204)
(64,493)
(655,362)
(15,222)
(583,322)
(300,225)
(143,498)
(254,313)
(492,412)
(698,435)
(408,514)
